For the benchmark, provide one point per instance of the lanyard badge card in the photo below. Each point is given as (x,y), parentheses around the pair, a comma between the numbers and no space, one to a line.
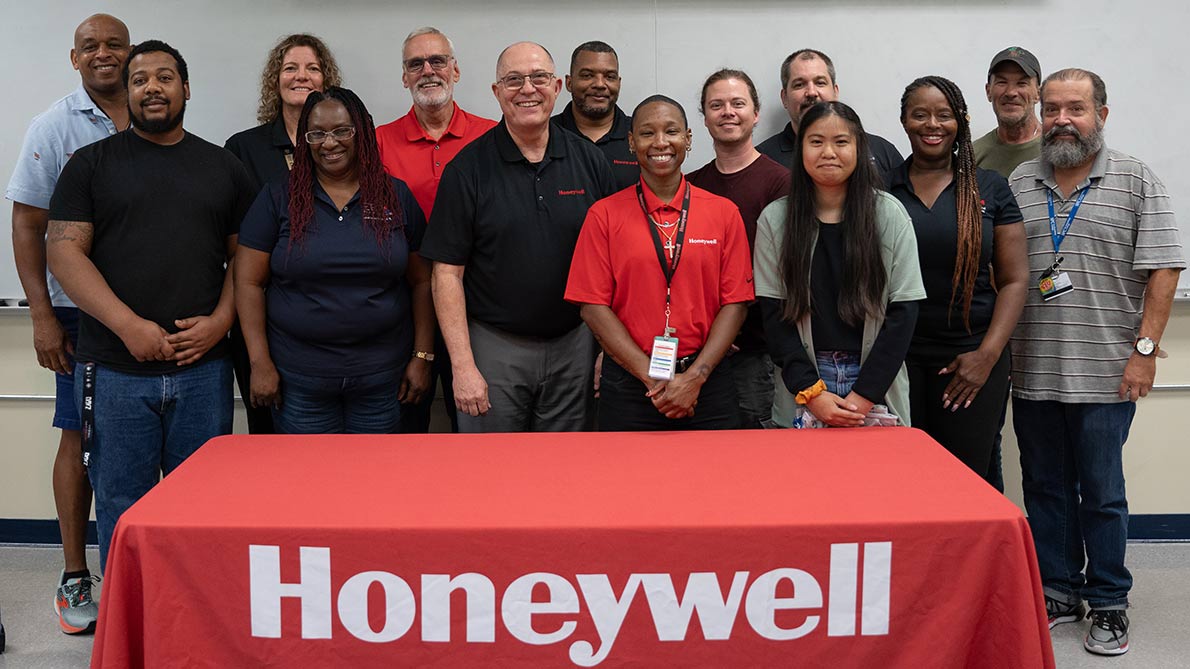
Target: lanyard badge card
(663,362)
(1054,282)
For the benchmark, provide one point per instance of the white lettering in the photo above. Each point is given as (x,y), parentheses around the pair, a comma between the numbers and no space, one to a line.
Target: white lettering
(877,585)
(265,591)
(518,608)
(763,603)
(399,607)
(607,611)
(703,595)
(840,612)
(435,606)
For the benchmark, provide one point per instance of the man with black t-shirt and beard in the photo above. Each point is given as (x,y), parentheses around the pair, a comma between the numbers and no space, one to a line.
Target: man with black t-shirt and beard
(141,227)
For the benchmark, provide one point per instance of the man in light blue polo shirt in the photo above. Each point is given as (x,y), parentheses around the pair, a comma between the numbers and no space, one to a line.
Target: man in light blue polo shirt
(97,109)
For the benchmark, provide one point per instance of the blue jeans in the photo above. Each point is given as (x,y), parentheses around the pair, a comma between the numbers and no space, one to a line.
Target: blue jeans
(364,404)
(145,426)
(1072,463)
(66,413)
(839,370)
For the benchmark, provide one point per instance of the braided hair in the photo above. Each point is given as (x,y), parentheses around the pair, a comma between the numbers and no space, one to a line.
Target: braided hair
(381,210)
(967,201)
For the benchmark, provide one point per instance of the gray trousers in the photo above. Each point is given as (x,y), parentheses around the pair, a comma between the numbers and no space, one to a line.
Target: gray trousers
(534,384)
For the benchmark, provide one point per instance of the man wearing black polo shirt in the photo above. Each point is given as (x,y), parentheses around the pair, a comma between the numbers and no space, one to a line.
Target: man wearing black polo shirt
(807,77)
(504,225)
(594,85)
(141,226)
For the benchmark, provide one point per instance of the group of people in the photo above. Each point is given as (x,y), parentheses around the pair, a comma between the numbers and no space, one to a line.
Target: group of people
(540,262)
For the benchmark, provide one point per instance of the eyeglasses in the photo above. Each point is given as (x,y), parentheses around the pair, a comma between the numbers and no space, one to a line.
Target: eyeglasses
(514,82)
(340,134)
(437,63)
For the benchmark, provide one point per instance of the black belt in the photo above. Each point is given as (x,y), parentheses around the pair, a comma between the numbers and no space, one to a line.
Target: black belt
(684,363)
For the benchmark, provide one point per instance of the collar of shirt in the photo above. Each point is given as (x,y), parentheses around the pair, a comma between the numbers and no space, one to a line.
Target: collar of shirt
(899,176)
(511,153)
(278,135)
(788,138)
(619,130)
(663,210)
(80,100)
(414,132)
(320,194)
(1045,171)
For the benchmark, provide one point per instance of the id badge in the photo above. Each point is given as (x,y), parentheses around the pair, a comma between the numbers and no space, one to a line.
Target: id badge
(1053,285)
(664,359)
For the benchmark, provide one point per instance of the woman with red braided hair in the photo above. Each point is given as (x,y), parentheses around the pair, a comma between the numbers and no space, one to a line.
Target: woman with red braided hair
(332,295)
(971,245)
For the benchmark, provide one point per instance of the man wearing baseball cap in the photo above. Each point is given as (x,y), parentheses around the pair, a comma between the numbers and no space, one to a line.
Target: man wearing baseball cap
(1013,88)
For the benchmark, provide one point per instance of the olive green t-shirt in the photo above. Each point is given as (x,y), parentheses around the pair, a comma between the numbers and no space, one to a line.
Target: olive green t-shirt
(992,154)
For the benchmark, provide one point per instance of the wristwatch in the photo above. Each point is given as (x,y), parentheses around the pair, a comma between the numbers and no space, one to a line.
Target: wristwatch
(1145,346)
(428,357)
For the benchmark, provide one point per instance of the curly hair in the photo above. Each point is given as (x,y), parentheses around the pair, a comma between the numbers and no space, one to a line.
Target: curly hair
(381,209)
(270,87)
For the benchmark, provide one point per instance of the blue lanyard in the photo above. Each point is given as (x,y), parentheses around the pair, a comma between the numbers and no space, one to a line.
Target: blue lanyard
(1054,235)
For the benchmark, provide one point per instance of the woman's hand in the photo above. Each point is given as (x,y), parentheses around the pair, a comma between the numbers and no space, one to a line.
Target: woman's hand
(416,381)
(970,373)
(836,411)
(266,385)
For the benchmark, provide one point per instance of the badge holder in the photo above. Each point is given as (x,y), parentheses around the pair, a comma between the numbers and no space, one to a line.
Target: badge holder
(1053,282)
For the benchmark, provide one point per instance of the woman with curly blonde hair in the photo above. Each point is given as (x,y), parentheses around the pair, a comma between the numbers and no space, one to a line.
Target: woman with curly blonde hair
(297,66)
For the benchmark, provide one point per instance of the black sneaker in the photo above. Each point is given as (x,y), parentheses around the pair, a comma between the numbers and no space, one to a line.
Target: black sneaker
(1061,612)
(1108,634)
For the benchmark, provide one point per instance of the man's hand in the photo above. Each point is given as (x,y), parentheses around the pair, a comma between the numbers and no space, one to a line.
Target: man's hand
(677,398)
(1138,376)
(415,382)
(471,391)
(52,345)
(146,341)
(266,385)
(196,336)
(837,411)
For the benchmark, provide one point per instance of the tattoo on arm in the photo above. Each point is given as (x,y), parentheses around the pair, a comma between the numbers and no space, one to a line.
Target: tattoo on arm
(77,232)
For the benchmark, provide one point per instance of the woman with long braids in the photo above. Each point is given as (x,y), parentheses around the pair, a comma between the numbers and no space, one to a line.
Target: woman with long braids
(971,243)
(330,290)
(836,273)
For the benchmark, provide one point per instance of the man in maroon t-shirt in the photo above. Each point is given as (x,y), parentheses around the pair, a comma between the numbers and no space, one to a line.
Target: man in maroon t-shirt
(740,173)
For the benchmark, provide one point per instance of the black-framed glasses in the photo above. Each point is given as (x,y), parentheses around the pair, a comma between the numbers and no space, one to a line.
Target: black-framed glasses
(515,81)
(437,63)
(340,134)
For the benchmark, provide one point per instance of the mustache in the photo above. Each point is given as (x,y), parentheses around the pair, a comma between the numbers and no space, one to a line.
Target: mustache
(1059,131)
(156,98)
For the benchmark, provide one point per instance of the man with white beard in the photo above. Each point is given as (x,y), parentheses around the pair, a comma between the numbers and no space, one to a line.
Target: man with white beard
(1105,257)
(416,148)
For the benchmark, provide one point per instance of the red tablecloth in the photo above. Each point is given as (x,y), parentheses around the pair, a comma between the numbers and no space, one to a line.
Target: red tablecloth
(840,548)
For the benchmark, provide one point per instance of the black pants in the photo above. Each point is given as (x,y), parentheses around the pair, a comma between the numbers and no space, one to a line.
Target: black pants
(260,420)
(623,406)
(969,434)
(415,418)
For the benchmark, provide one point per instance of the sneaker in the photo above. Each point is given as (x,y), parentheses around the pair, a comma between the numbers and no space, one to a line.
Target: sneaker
(77,611)
(1108,634)
(1061,612)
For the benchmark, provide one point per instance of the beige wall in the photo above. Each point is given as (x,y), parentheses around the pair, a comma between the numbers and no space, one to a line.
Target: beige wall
(1156,460)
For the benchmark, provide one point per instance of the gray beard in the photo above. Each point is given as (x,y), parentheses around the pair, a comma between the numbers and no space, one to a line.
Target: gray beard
(1063,154)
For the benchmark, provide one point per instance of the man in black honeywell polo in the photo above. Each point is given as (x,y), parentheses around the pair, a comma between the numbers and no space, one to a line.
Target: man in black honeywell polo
(501,235)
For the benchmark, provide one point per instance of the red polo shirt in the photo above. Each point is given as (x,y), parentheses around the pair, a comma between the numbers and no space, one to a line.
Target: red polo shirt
(409,154)
(615,264)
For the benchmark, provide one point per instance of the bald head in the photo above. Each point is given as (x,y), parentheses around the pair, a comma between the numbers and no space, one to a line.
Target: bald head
(101,46)
(520,51)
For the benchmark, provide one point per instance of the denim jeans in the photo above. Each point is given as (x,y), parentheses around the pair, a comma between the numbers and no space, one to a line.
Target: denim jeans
(839,370)
(66,413)
(145,426)
(1072,463)
(364,404)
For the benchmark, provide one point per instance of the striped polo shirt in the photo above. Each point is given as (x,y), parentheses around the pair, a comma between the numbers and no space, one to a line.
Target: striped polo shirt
(1074,347)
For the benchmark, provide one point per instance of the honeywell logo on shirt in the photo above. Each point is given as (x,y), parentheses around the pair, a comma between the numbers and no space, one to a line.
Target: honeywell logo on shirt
(854,594)
(574,191)
(696,240)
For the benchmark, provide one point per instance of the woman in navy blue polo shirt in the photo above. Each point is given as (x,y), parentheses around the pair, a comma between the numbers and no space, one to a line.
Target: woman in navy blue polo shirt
(333,298)
(971,244)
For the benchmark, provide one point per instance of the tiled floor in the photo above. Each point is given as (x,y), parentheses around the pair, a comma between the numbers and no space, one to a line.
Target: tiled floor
(1160,613)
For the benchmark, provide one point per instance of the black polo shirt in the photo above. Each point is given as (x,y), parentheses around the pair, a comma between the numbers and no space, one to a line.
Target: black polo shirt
(937,242)
(265,150)
(614,145)
(513,224)
(780,146)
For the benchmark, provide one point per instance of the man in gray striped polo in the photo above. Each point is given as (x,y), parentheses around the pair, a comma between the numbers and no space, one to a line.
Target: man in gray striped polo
(1104,259)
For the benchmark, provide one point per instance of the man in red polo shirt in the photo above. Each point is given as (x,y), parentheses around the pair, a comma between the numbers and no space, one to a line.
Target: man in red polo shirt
(416,148)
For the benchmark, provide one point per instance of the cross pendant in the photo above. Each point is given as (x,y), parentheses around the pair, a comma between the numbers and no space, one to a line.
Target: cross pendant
(669,246)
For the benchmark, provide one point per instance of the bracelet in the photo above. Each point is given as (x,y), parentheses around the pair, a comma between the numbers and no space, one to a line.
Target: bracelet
(810,393)
(424,355)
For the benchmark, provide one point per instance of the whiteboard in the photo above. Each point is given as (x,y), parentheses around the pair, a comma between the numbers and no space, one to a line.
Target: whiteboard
(666,46)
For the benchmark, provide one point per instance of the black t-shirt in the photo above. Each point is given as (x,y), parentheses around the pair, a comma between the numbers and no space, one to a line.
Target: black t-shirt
(614,145)
(939,326)
(265,151)
(827,276)
(780,146)
(513,224)
(162,216)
